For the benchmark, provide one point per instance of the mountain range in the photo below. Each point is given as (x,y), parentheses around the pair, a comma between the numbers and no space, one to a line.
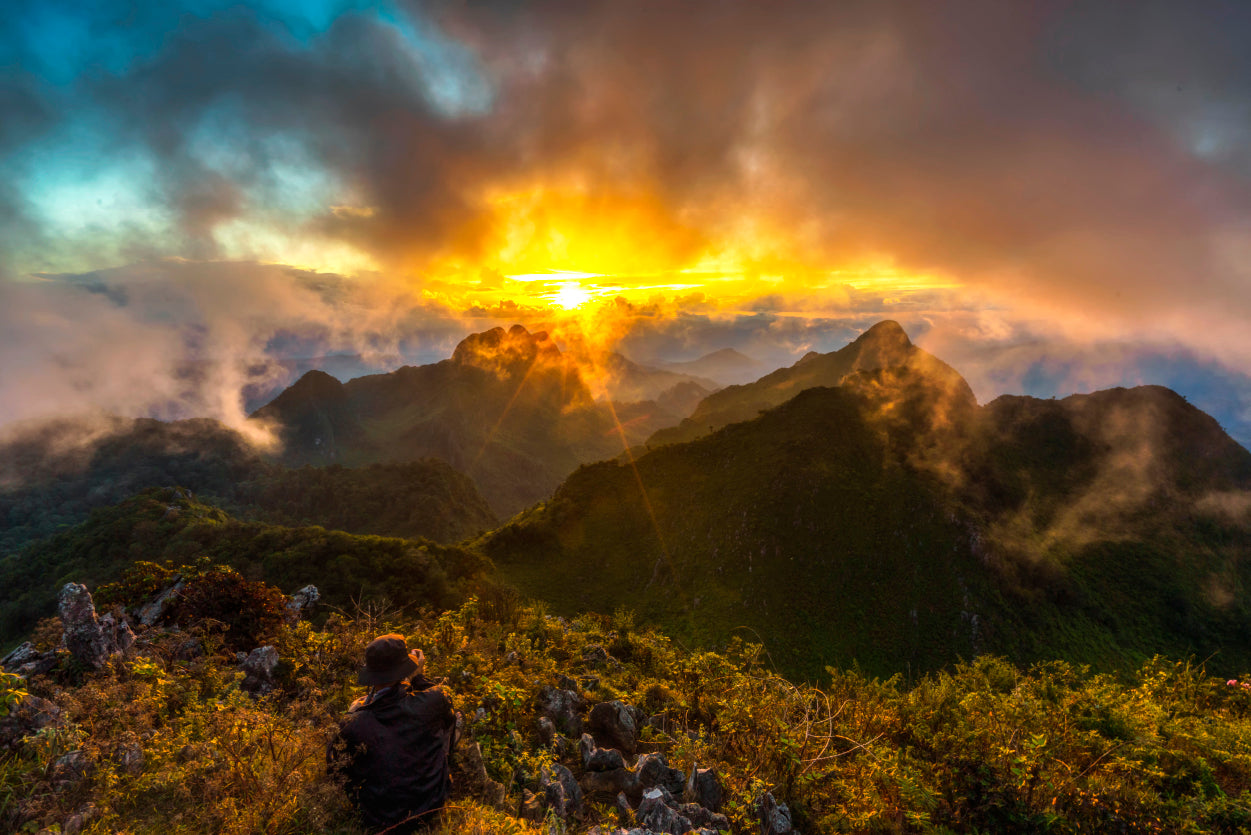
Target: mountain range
(893,522)
(857,507)
(508,409)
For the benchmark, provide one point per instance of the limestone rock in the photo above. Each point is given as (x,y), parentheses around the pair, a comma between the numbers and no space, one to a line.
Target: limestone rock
(775,818)
(74,823)
(303,601)
(599,759)
(564,708)
(259,668)
(595,656)
(158,607)
(653,771)
(27,661)
(83,636)
(704,788)
(615,725)
(473,778)
(531,806)
(73,767)
(547,731)
(625,810)
(117,633)
(618,781)
(659,816)
(30,716)
(130,758)
(700,817)
(561,792)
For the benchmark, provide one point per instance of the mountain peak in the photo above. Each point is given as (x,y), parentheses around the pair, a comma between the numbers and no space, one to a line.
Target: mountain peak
(887,332)
(506,353)
(314,386)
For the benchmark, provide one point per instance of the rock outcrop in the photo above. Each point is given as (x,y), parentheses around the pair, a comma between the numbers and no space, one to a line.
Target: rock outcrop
(599,759)
(302,603)
(91,640)
(31,715)
(156,609)
(615,725)
(259,669)
(564,707)
(561,793)
(775,818)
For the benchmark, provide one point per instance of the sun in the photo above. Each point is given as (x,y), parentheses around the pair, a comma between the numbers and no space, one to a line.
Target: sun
(571,295)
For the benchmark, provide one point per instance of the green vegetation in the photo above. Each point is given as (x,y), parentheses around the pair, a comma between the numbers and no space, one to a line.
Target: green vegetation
(891,523)
(163,525)
(418,499)
(52,476)
(797,527)
(166,742)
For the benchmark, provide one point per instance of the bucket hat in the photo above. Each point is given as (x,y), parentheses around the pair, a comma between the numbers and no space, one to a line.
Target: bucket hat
(387,659)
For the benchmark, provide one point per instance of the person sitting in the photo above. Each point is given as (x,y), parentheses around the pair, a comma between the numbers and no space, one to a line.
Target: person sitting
(397,740)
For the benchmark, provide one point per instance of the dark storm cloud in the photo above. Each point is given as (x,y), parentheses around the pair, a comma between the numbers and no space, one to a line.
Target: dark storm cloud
(1039,152)
(970,139)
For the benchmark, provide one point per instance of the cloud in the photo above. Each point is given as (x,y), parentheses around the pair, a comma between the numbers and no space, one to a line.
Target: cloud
(1055,178)
(179,339)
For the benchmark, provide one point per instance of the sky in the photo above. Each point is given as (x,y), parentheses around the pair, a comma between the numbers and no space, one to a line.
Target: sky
(1054,197)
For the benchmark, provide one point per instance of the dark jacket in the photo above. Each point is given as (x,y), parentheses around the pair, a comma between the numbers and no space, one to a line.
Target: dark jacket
(396,750)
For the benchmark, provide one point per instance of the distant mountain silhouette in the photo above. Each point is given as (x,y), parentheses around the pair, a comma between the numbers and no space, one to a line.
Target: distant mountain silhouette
(629,382)
(508,408)
(892,521)
(885,345)
(726,367)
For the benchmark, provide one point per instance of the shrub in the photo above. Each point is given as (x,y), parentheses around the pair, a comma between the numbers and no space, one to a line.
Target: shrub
(252,611)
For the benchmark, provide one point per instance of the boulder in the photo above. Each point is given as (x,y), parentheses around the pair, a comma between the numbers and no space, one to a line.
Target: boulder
(155,610)
(658,816)
(561,793)
(531,806)
(193,648)
(618,781)
(83,636)
(73,767)
(471,776)
(547,731)
(625,810)
(303,601)
(130,759)
(599,759)
(700,817)
(564,708)
(615,725)
(117,633)
(704,788)
(653,771)
(258,669)
(27,661)
(594,655)
(775,818)
(74,823)
(31,715)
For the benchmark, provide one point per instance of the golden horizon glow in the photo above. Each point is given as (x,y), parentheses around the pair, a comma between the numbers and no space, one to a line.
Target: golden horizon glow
(557,248)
